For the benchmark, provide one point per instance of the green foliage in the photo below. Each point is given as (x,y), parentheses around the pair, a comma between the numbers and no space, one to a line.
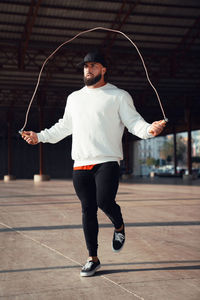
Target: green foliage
(150,161)
(157,164)
(167,150)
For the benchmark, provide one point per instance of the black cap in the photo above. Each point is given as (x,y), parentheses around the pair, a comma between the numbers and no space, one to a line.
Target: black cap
(95,56)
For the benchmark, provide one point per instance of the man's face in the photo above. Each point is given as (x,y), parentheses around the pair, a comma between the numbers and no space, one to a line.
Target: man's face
(93,73)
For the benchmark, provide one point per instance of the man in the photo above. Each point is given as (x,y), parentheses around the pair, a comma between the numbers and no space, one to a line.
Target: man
(95,116)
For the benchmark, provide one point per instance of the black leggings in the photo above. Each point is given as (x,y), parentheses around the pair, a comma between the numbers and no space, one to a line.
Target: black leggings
(97,188)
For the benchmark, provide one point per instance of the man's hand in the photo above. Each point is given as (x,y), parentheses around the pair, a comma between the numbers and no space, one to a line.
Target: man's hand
(30,137)
(157,127)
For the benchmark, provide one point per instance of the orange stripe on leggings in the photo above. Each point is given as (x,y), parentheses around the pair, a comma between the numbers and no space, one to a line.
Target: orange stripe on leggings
(88,167)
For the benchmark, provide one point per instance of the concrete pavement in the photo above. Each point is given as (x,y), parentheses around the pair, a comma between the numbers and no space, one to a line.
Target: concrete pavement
(42,246)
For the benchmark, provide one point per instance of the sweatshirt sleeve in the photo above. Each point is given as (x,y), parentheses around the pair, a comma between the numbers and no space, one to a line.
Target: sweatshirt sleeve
(58,131)
(132,119)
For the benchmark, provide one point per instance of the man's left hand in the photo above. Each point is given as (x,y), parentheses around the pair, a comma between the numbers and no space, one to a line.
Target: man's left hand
(157,127)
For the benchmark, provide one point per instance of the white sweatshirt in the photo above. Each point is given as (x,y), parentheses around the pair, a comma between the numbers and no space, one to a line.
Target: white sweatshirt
(96,119)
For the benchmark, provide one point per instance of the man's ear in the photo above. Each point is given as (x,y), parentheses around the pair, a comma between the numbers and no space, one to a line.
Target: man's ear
(104,70)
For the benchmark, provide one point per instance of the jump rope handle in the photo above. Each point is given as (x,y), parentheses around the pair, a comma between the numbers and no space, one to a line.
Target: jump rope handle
(22,133)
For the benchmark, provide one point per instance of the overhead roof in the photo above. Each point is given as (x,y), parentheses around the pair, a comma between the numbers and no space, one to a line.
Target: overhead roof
(167,33)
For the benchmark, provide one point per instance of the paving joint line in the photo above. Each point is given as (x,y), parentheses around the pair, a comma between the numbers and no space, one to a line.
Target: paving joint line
(70,259)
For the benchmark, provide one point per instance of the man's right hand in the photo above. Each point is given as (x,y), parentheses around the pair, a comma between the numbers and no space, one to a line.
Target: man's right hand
(30,137)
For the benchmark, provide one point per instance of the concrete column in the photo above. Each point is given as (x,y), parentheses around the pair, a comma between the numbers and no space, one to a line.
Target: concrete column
(175,156)
(136,161)
(41,176)
(9,176)
(41,148)
(189,143)
(127,148)
(189,147)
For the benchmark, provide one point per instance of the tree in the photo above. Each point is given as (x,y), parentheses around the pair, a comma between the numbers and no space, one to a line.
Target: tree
(167,150)
(181,150)
(150,161)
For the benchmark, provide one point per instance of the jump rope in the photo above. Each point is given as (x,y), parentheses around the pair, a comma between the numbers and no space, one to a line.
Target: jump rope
(165,120)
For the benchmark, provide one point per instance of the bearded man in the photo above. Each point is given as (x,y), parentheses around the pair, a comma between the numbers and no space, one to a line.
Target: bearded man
(96,116)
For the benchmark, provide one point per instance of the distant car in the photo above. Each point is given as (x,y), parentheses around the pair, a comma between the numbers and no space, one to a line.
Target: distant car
(168,171)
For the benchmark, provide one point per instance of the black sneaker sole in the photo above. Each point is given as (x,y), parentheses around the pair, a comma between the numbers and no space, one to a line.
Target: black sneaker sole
(114,250)
(91,273)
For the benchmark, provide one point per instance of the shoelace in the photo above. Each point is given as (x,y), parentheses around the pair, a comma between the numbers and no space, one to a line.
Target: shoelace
(87,265)
(119,237)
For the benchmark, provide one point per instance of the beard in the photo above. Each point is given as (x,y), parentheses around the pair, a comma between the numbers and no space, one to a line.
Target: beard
(92,80)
